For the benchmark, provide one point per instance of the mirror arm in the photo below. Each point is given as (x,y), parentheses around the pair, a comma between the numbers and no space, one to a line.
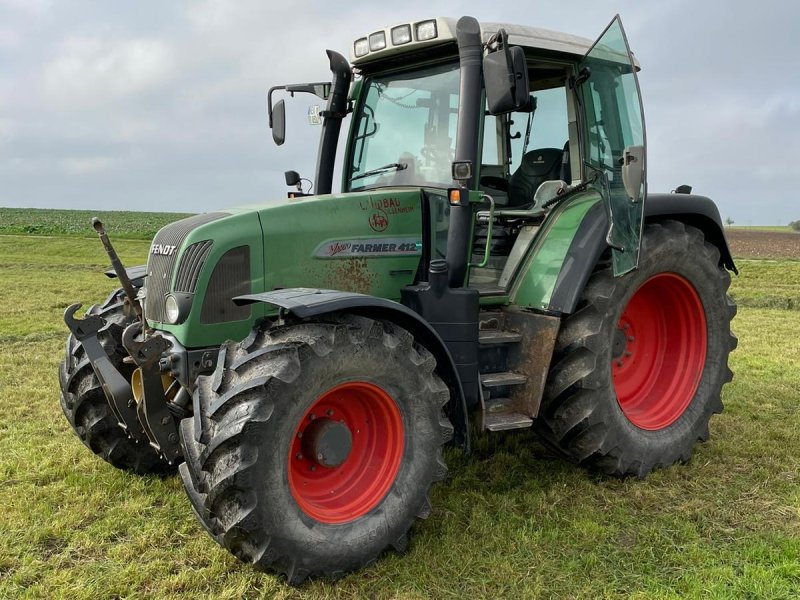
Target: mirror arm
(321,89)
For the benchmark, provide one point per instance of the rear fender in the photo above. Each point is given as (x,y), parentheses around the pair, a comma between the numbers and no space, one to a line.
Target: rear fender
(306,303)
(589,242)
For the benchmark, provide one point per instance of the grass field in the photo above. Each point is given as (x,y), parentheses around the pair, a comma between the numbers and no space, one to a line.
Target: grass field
(512,520)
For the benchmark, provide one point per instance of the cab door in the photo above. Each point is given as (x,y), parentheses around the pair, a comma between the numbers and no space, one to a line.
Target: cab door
(613,134)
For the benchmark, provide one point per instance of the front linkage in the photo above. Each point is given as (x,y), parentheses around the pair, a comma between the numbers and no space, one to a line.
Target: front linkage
(140,406)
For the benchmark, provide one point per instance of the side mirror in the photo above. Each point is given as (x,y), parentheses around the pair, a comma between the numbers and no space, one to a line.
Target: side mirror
(279,122)
(292,178)
(505,75)
(633,171)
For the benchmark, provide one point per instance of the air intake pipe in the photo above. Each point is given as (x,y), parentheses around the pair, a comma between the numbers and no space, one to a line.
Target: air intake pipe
(332,121)
(470,111)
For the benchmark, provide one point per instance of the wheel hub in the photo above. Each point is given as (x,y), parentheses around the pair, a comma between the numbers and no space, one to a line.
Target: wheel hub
(327,442)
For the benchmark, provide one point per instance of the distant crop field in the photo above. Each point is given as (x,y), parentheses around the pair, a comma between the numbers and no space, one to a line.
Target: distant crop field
(512,521)
(120,224)
(764,243)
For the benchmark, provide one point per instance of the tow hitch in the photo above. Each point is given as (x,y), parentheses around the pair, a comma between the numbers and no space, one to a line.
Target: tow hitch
(152,410)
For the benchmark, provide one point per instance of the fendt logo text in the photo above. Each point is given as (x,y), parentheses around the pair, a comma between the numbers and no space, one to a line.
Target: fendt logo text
(162,249)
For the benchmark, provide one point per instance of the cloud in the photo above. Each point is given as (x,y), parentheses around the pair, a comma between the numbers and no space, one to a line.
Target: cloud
(29,7)
(84,165)
(89,72)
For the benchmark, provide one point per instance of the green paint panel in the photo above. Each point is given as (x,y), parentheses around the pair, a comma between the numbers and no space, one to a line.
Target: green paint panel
(540,269)
(241,228)
(366,242)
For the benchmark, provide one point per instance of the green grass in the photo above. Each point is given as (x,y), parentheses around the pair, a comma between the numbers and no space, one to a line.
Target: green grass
(783,228)
(119,224)
(512,521)
(767,284)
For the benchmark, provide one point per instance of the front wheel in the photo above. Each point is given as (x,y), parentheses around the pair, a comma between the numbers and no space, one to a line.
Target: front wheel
(639,367)
(316,444)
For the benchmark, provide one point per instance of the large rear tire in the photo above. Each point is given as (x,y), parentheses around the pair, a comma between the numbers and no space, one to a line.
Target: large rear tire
(84,403)
(315,445)
(639,367)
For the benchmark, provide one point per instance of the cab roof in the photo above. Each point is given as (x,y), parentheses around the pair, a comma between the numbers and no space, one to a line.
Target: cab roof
(518,35)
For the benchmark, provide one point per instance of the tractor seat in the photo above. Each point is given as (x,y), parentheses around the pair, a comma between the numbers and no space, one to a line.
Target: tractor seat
(536,167)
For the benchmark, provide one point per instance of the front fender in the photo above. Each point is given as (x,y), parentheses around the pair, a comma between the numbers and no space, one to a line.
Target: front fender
(305,303)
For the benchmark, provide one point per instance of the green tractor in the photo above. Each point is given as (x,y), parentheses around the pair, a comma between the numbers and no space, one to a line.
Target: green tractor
(493,255)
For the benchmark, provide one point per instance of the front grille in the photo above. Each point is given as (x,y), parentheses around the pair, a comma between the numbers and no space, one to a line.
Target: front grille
(231,278)
(160,266)
(191,263)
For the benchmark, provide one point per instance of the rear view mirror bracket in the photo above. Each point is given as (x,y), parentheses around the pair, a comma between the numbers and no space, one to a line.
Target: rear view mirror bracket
(277,112)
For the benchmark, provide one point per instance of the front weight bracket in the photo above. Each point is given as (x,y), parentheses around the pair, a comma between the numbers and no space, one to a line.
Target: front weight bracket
(115,387)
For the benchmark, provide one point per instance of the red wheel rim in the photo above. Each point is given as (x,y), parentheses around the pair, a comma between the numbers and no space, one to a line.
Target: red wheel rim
(659,351)
(354,487)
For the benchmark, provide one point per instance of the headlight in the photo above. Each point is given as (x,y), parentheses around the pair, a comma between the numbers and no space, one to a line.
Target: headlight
(377,41)
(361,47)
(426,30)
(401,35)
(172,309)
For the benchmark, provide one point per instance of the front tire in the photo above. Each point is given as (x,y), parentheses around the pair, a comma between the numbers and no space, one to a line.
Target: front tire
(638,369)
(84,403)
(315,445)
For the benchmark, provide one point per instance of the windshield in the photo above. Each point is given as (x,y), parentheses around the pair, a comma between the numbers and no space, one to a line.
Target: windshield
(406,119)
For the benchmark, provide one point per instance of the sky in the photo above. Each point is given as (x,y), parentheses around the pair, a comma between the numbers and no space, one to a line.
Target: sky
(162,105)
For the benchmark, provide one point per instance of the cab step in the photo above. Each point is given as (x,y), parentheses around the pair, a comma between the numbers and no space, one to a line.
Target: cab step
(500,415)
(506,378)
(495,336)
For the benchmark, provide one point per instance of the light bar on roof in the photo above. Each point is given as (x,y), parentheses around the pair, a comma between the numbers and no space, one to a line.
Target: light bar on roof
(400,38)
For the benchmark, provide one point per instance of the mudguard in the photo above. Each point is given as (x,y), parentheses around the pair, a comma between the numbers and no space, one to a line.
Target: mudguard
(590,241)
(305,303)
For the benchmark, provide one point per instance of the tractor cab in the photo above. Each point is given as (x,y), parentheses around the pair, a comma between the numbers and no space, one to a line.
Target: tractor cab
(526,156)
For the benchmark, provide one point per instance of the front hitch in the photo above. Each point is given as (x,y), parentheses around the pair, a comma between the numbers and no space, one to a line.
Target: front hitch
(152,411)
(116,388)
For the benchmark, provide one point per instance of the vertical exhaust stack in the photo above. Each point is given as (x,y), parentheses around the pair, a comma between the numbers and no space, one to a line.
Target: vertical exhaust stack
(333,115)
(470,109)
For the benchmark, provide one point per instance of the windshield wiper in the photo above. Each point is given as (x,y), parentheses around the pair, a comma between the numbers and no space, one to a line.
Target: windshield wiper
(379,170)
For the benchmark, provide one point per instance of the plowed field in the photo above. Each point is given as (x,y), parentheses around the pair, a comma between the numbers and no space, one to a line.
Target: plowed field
(756,243)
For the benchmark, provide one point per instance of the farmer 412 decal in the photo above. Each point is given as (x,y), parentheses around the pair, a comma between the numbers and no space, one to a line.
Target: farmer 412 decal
(370,247)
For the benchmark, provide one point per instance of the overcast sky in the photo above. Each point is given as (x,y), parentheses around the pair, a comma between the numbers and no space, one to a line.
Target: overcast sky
(161,105)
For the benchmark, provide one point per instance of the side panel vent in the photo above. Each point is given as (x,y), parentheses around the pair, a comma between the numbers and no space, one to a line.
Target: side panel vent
(191,263)
(231,278)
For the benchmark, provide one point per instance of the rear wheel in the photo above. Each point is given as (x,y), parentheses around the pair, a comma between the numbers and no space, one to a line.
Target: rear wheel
(84,402)
(316,444)
(639,367)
